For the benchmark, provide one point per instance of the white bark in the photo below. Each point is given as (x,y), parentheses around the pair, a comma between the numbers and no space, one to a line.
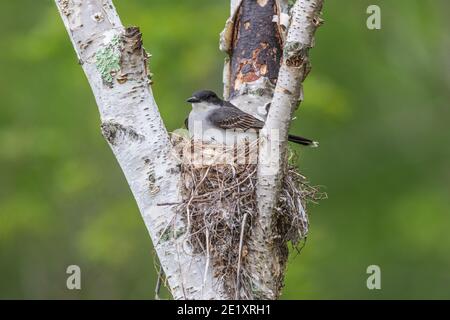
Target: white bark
(115,64)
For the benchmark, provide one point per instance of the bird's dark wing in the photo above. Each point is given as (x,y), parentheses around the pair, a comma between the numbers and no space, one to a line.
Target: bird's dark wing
(186,123)
(231,117)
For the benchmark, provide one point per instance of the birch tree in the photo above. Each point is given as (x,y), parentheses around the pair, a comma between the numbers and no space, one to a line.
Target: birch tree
(267,43)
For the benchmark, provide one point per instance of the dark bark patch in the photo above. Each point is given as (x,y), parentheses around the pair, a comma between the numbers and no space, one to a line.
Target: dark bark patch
(133,39)
(256,45)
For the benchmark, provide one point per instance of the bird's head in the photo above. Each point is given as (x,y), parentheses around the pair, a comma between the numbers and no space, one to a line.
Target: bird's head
(205,97)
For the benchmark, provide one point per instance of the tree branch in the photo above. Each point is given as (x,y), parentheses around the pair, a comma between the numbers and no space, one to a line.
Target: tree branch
(115,64)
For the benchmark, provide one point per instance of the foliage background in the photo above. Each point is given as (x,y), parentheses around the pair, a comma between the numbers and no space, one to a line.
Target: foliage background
(378,102)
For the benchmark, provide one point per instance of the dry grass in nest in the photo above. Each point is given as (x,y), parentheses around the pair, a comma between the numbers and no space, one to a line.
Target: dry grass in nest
(219,205)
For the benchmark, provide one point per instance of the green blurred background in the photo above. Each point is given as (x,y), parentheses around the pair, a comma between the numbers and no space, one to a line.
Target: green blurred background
(378,102)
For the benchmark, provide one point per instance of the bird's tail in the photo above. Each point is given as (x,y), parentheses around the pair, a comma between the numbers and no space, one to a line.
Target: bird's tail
(303,141)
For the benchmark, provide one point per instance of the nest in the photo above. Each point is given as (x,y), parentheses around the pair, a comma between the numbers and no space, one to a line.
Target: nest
(220,207)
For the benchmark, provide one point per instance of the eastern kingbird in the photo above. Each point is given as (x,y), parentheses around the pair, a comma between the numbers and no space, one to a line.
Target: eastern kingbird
(213,119)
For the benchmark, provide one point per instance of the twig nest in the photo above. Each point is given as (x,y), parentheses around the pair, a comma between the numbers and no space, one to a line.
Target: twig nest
(220,207)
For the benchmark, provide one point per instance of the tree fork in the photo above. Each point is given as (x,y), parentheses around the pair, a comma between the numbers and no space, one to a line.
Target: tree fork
(114,62)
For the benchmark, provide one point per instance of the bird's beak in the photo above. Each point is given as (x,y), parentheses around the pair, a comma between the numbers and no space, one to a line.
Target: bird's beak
(193,100)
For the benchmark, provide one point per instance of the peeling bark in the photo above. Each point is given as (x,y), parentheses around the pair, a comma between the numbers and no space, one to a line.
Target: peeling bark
(256,45)
(253,39)
(115,64)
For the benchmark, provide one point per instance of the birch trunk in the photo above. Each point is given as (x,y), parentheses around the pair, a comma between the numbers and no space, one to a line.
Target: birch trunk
(115,65)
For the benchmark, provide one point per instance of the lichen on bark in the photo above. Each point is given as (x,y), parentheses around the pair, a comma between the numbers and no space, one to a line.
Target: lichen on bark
(107,59)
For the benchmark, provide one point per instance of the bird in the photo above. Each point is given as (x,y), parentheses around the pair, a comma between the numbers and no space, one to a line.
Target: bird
(215,120)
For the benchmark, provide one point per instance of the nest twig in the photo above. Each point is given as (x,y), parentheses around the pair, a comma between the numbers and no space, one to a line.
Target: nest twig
(220,206)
